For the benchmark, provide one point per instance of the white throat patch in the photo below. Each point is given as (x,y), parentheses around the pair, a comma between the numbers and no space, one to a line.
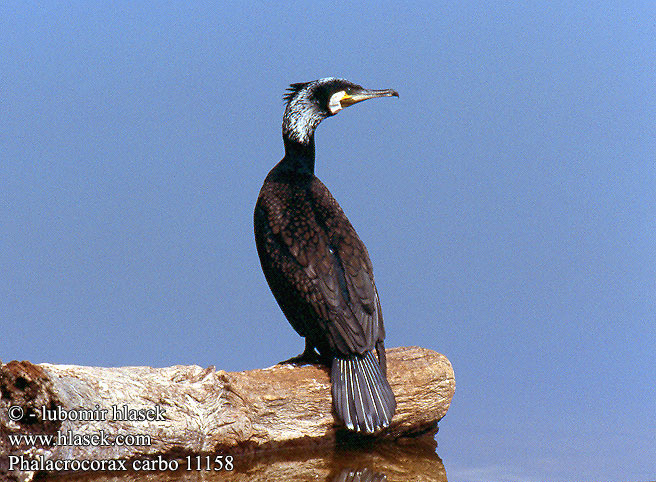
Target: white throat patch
(335,104)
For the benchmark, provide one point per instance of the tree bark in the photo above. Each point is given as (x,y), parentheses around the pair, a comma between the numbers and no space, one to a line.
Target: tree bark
(137,413)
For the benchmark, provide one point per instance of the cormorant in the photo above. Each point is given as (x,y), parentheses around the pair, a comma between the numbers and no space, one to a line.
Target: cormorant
(316,265)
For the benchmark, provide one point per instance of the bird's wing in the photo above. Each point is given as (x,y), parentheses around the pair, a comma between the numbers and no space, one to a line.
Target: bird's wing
(320,267)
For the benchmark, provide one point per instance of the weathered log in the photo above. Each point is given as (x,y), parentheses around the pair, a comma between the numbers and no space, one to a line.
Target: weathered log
(135,413)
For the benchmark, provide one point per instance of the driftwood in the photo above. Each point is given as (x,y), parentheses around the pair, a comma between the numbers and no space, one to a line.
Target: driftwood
(133,414)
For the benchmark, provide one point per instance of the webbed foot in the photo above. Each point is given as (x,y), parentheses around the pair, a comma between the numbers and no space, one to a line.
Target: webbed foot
(308,357)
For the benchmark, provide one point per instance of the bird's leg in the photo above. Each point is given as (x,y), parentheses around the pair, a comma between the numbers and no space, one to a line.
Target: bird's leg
(309,356)
(382,357)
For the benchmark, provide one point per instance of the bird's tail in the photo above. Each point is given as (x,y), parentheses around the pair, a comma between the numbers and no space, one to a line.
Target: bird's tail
(362,396)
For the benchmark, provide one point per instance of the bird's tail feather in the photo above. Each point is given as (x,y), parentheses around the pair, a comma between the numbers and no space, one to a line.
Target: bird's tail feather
(362,396)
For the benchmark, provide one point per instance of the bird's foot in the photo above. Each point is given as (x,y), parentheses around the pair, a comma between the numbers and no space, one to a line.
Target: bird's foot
(308,357)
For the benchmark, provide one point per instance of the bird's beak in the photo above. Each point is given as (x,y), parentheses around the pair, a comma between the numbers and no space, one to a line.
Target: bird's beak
(364,94)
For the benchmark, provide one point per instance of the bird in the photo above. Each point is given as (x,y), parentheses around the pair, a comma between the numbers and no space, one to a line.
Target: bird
(317,267)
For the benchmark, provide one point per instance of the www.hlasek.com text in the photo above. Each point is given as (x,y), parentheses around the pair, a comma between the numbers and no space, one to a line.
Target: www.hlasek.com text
(69,438)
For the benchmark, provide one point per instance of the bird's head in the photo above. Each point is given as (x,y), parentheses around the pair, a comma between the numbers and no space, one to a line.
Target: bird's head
(309,103)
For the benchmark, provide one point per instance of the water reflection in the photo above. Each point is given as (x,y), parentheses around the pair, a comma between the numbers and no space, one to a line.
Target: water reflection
(364,475)
(409,460)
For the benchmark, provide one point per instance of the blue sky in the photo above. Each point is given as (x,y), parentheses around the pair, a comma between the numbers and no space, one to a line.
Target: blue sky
(506,199)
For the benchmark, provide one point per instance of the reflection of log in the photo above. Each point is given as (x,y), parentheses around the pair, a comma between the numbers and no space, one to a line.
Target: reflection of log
(204,411)
(414,460)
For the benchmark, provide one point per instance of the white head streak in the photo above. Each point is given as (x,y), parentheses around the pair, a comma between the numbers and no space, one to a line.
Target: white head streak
(303,114)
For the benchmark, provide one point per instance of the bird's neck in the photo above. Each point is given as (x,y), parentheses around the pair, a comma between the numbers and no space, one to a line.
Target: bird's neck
(299,157)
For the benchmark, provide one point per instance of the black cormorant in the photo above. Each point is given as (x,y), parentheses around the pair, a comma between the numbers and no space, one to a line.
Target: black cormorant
(316,265)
